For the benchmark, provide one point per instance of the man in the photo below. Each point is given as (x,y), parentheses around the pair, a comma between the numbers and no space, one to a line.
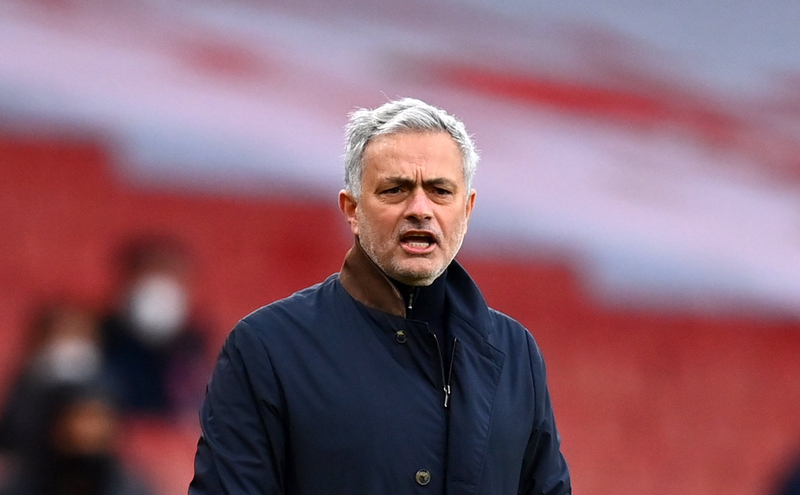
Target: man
(392,376)
(153,342)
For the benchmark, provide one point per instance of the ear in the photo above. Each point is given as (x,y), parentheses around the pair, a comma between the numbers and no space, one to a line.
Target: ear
(348,206)
(470,203)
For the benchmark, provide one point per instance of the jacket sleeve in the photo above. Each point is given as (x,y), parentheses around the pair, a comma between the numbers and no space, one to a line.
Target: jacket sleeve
(242,443)
(544,469)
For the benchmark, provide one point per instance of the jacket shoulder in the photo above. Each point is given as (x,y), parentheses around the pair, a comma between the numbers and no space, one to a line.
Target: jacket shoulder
(505,327)
(510,335)
(303,307)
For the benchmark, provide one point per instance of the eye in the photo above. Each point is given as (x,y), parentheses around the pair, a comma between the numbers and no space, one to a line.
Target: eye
(392,191)
(440,191)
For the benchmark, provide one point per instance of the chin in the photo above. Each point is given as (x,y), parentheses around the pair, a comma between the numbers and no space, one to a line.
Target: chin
(419,282)
(418,278)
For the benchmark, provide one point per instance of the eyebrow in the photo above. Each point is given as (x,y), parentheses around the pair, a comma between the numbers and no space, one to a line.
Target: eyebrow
(406,181)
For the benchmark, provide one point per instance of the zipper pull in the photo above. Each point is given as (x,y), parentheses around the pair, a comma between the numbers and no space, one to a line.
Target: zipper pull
(411,295)
(447,395)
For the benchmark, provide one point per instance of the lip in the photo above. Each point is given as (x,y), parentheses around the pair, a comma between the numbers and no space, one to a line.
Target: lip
(418,242)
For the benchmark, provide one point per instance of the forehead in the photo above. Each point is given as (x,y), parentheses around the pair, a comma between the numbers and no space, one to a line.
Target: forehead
(408,152)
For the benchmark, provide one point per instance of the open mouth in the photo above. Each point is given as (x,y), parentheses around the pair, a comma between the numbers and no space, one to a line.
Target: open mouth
(418,241)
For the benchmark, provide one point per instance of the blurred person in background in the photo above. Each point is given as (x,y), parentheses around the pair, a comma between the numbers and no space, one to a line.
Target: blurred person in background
(392,376)
(64,350)
(77,453)
(155,348)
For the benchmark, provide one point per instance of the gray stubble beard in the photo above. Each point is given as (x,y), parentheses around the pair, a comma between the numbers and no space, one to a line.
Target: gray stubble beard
(394,268)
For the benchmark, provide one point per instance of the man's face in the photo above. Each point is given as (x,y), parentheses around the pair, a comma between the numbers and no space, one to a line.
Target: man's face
(414,206)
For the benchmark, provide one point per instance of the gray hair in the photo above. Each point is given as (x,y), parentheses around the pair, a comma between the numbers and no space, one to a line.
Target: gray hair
(407,114)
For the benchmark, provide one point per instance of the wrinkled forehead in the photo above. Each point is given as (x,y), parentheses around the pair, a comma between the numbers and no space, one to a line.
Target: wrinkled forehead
(433,152)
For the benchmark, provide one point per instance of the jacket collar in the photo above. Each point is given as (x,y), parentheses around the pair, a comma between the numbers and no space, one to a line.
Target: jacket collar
(367,284)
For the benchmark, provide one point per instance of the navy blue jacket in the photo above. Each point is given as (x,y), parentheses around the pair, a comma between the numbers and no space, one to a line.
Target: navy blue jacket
(333,391)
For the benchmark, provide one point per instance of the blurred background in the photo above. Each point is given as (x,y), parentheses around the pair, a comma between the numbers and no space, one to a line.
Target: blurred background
(167,167)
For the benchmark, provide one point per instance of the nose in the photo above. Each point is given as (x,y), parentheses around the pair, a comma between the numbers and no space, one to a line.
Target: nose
(419,205)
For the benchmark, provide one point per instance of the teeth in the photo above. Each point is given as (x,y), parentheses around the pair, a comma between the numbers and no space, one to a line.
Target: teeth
(418,242)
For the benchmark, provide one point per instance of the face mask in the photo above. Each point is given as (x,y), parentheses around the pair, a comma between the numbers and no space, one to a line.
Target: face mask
(70,360)
(157,307)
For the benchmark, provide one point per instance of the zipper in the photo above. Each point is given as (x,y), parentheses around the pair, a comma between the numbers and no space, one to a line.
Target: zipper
(446,378)
(450,374)
(411,294)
